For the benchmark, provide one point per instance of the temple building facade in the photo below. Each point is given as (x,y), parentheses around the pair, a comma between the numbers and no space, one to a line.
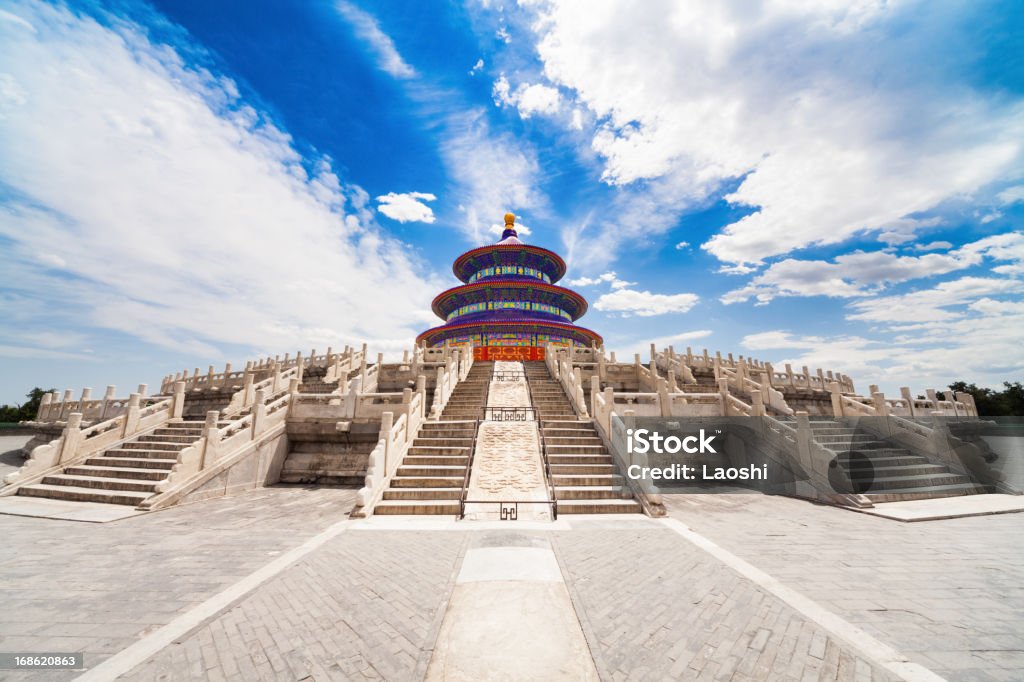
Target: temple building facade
(509,306)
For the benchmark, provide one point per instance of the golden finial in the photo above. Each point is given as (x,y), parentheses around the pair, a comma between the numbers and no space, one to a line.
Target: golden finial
(510,220)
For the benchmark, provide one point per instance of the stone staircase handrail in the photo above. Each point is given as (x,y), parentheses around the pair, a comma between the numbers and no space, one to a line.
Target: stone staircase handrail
(77,444)
(397,436)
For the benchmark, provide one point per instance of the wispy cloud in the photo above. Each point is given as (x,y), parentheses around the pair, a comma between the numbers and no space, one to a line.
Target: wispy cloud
(168,209)
(368,29)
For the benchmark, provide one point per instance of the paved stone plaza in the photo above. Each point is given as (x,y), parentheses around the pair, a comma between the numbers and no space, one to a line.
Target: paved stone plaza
(367,599)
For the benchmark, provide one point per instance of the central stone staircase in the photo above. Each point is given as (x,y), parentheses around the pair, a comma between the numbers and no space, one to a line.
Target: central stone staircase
(127,474)
(430,478)
(884,472)
(582,470)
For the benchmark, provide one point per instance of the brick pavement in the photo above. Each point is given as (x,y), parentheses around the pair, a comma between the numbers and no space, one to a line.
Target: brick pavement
(70,586)
(655,606)
(365,606)
(948,594)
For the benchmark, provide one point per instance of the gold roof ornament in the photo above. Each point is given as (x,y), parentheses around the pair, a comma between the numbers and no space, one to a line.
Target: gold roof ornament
(510,220)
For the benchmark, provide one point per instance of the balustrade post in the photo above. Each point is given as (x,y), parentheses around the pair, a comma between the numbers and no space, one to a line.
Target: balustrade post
(211,435)
(932,396)
(53,414)
(723,391)
(881,407)
(131,415)
(757,403)
(86,396)
(789,375)
(226,381)
(178,400)
(872,389)
(276,384)
(293,386)
(821,377)
(837,399)
(387,420)
(766,387)
(259,412)
(663,398)
(108,397)
(298,365)
(70,437)
(248,393)
(908,398)
(65,408)
(44,407)
(421,388)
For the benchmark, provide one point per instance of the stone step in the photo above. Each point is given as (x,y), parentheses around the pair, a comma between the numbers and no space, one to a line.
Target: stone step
(592,492)
(117,472)
(579,469)
(144,454)
(929,493)
(579,459)
(423,494)
(859,446)
(858,472)
(427,481)
(919,481)
(585,430)
(575,449)
(887,458)
(586,480)
(444,450)
(343,478)
(606,506)
(431,442)
(183,439)
(589,440)
(101,483)
(438,460)
(430,470)
(77,494)
(152,445)
(573,422)
(131,462)
(417,507)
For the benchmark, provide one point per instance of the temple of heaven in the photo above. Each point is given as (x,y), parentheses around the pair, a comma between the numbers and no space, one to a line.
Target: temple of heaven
(509,307)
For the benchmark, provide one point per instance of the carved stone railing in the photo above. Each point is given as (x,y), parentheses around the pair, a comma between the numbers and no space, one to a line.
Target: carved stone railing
(569,377)
(76,444)
(805,380)
(221,446)
(458,362)
(54,410)
(260,369)
(396,437)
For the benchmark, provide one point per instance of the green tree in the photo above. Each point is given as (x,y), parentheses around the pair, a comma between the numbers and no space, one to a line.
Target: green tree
(992,403)
(25,411)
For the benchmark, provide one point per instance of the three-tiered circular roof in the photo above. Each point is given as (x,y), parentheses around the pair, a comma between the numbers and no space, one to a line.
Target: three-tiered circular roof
(509,297)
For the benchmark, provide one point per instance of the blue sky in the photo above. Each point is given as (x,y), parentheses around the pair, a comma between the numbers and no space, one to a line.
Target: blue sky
(831,184)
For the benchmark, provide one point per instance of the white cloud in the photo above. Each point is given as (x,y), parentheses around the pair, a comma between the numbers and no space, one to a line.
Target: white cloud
(183,217)
(812,105)
(933,246)
(522,229)
(682,245)
(493,173)
(610,277)
(1011,195)
(408,207)
(629,302)
(860,273)
(476,67)
(368,29)
(931,305)
(528,99)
